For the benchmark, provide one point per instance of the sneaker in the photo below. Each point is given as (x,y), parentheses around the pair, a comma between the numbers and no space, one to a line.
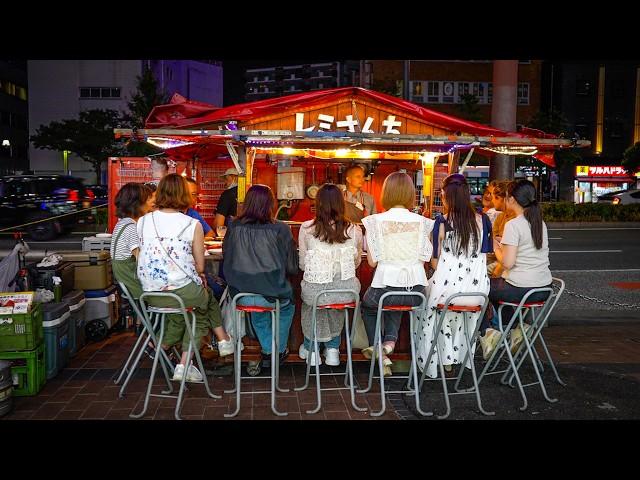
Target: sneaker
(193,375)
(303,353)
(332,356)
(516,337)
(225,347)
(489,342)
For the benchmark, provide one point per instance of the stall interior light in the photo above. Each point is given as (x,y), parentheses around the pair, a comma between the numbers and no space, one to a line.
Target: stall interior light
(165,143)
(344,153)
(287,151)
(513,150)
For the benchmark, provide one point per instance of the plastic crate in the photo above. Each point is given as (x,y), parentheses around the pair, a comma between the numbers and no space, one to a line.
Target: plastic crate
(95,244)
(21,331)
(27,371)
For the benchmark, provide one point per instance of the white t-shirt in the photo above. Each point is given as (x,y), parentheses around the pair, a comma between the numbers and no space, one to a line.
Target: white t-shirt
(532,265)
(399,241)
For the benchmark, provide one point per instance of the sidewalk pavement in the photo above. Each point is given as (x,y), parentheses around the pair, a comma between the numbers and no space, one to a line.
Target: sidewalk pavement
(600,364)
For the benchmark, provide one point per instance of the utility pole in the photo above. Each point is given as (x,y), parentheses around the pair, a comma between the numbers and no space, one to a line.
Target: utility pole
(503,113)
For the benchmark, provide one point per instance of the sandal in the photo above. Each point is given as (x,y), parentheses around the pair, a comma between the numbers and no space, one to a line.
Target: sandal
(254,368)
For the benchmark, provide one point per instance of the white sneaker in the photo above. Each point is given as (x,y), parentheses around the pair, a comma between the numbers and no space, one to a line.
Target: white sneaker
(332,356)
(303,353)
(226,347)
(193,375)
(516,337)
(489,342)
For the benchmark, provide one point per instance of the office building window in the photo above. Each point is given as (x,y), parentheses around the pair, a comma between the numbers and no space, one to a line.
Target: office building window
(100,92)
(583,130)
(433,92)
(523,94)
(583,87)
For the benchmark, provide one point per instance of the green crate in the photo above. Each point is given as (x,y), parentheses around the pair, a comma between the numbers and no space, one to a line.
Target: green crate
(21,331)
(28,371)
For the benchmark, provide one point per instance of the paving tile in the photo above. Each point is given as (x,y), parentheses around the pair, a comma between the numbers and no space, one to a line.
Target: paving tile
(81,401)
(97,410)
(69,415)
(48,411)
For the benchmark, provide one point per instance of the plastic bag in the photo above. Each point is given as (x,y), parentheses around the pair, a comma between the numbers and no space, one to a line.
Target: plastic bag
(228,317)
(43,295)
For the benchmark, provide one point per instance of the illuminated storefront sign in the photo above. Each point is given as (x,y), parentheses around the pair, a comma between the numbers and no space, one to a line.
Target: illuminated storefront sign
(601,171)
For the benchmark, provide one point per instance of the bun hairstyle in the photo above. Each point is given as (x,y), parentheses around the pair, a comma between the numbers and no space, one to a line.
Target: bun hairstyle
(524,193)
(460,213)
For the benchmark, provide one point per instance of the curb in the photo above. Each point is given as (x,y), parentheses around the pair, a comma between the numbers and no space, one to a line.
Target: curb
(552,225)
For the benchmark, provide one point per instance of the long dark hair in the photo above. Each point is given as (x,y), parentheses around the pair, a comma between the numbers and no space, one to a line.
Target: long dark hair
(331,226)
(258,205)
(524,192)
(461,214)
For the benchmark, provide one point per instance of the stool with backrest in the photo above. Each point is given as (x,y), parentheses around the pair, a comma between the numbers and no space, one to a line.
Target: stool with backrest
(470,339)
(147,335)
(275,349)
(161,314)
(521,309)
(349,384)
(377,344)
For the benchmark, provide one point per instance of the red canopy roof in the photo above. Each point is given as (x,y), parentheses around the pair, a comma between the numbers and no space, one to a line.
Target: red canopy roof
(182,113)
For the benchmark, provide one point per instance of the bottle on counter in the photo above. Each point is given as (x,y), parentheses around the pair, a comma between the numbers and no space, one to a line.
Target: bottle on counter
(57,289)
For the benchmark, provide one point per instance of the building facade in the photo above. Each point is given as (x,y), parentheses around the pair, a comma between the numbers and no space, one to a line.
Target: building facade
(276,81)
(61,89)
(14,134)
(601,102)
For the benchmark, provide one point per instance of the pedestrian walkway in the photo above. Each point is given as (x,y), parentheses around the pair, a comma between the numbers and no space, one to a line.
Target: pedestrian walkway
(601,365)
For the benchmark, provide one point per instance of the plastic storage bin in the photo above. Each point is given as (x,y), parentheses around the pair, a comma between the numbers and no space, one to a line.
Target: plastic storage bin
(56,336)
(101,312)
(76,302)
(21,331)
(27,371)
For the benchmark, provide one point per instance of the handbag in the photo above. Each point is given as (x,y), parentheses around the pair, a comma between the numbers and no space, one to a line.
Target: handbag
(360,339)
(228,316)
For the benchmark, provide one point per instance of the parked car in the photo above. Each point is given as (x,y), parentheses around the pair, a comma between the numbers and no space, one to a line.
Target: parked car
(608,197)
(28,198)
(627,198)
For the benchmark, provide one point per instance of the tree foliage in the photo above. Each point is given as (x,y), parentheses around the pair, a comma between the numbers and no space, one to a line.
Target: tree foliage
(90,137)
(631,158)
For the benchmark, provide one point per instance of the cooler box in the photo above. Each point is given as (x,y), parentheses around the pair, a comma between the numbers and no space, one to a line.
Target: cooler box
(27,371)
(76,302)
(96,244)
(101,312)
(21,331)
(56,336)
(43,276)
(93,269)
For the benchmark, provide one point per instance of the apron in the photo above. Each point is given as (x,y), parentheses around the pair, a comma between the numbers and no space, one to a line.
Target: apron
(125,270)
(351,210)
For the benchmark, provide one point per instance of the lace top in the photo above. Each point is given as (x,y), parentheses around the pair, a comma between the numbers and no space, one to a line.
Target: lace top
(321,261)
(166,258)
(399,241)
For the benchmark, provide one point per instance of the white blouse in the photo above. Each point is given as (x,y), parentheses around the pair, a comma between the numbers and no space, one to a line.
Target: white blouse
(321,261)
(399,241)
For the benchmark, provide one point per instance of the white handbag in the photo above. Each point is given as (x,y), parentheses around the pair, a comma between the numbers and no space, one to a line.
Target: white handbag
(228,316)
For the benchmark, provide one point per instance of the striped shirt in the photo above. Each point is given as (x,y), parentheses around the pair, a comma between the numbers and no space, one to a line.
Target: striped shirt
(127,242)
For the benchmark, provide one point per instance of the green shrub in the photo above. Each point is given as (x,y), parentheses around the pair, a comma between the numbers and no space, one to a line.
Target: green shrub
(590,212)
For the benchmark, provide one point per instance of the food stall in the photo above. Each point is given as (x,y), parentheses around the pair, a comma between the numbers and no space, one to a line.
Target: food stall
(297,142)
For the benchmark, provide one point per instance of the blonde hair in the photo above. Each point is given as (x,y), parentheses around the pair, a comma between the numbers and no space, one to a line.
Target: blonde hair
(398,189)
(173,192)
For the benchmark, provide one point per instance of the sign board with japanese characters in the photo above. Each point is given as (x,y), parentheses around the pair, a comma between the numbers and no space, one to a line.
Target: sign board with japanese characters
(601,171)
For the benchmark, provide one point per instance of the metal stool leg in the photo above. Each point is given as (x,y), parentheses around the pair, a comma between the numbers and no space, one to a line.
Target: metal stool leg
(236,361)
(377,344)
(414,366)
(473,368)
(349,376)
(275,360)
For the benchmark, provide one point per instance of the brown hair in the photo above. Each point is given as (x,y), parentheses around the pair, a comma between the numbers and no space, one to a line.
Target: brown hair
(173,193)
(461,215)
(500,187)
(130,198)
(398,189)
(331,225)
(259,204)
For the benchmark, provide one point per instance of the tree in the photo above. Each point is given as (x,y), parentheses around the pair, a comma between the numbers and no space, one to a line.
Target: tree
(146,96)
(554,122)
(469,108)
(90,137)
(631,158)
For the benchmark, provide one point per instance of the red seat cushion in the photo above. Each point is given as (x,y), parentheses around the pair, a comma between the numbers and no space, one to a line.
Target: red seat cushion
(526,305)
(338,306)
(398,308)
(461,308)
(253,308)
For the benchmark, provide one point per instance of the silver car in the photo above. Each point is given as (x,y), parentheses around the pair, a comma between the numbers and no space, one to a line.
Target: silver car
(627,198)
